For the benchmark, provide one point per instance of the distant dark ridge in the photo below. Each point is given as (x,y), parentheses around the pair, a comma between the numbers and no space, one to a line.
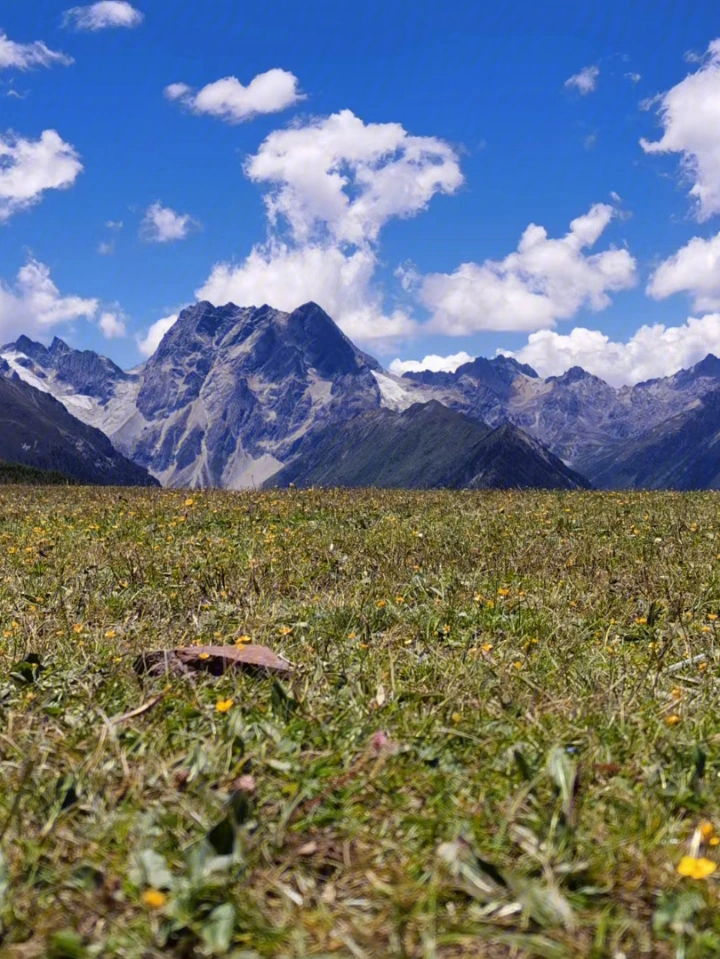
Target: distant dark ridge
(15,474)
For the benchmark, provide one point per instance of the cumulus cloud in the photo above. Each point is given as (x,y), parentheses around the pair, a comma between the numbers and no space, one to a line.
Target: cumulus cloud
(543,281)
(106,249)
(25,56)
(103,15)
(112,326)
(162,225)
(332,184)
(651,352)
(148,343)
(229,100)
(29,167)
(33,303)
(633,77)
(433,362)
(690,117)
(585,81)
(694,269)
(346,178)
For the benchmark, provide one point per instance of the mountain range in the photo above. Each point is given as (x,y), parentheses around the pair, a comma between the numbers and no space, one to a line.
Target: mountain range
(239,397)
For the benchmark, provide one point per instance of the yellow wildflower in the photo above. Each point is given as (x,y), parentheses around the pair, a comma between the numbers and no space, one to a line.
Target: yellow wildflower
(243,639)
(673,719)
(694,868)
(707,830)
(224,705)
(154,899)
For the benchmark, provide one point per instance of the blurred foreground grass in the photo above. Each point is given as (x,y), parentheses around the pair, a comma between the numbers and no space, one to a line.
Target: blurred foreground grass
(495,743)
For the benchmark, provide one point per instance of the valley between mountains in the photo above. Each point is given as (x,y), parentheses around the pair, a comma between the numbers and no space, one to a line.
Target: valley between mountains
(244,397)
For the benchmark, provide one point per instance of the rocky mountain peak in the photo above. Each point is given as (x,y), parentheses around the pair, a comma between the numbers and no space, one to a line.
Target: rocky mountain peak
(323,344)
(708,367)
(59,347)
(576,374)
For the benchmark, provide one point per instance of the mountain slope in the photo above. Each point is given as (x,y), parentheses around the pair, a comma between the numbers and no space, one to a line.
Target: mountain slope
(682,453)
(427,446)
(37,431)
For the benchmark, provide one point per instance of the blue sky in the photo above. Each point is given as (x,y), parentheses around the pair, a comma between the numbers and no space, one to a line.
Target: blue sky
(455,126)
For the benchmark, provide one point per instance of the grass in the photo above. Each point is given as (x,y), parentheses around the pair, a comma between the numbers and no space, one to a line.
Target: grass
(488,748)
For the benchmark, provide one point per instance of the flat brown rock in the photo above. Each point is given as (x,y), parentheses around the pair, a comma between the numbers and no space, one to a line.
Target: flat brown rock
(213,659)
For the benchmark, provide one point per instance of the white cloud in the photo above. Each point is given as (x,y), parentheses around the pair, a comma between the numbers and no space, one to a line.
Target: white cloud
(29,167)
(545,280)
(112,326)
(114,224)
(148,343)
(690,116)
(437,364)
(33,303)
(695,269)
(102,15)
(161,224)
(633,77)
(585,81)
(229,100)
(105,249)
(344,179)
(333,184)
(24,56)
(287,276)
(651,352)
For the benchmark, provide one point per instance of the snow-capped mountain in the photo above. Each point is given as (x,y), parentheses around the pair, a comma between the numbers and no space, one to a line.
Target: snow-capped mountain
(233,395)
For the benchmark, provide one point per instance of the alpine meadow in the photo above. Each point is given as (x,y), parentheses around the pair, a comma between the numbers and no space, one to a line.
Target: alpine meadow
(499,737)
(359,479)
